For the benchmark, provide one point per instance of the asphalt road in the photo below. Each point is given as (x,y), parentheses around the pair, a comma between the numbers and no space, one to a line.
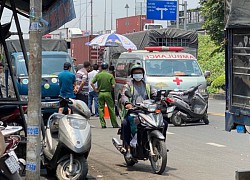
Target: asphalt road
(196,152)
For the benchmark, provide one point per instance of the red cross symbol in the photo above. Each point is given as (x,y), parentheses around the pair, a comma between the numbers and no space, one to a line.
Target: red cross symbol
(177,80)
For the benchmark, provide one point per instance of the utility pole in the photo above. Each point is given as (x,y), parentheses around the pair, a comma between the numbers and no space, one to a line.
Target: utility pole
(177,15)
(135,7)
(185,15)
(105,12)
(126,7)
(80,15)
(34,104)
(111,16)
(91,16)
(86,15)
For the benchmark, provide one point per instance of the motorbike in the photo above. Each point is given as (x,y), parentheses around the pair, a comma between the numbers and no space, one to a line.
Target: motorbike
(67,142)
(187,106)
(149,141)
(10,115)
(10,165)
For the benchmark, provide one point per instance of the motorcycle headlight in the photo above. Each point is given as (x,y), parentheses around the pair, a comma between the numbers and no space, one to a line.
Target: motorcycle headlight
(77,123)
(152,107)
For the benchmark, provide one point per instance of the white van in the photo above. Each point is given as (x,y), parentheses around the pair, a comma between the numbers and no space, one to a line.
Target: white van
(165,68)
(149,26)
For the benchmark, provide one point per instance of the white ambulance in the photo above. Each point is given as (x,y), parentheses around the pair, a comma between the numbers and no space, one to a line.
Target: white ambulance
(166,68)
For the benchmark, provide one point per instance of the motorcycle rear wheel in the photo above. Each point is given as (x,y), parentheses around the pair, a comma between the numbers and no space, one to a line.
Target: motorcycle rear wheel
(80,164)
(175,119)
(159,160)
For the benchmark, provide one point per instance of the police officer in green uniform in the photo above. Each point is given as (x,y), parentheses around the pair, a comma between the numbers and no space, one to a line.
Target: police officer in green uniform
(105,86)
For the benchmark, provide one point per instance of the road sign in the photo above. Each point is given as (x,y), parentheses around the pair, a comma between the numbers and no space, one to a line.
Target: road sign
(161,10)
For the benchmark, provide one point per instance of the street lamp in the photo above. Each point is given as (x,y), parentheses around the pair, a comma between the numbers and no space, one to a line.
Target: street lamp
(127,17)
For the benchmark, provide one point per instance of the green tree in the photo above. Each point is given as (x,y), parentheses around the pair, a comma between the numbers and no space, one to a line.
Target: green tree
(213,14)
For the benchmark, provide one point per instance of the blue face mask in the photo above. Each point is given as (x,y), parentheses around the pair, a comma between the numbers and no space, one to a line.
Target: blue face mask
(138,77)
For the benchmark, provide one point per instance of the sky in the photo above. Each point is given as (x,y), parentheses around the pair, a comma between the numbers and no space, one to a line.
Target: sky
(118,11)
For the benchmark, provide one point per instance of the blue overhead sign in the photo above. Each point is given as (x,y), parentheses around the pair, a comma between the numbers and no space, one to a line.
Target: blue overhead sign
(161,10)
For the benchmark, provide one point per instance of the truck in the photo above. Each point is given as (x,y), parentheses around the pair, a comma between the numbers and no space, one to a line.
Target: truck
(82,52)
(66,33)
(237,66)
(54,55)
(132,24)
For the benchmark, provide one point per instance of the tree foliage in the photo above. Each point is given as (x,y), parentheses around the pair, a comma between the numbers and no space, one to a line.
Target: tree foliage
(212,61)
(213,13)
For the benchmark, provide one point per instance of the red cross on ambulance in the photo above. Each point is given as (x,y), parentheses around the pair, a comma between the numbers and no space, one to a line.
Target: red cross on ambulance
(177,81)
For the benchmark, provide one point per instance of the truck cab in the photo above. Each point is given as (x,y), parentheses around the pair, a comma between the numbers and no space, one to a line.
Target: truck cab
(52,65)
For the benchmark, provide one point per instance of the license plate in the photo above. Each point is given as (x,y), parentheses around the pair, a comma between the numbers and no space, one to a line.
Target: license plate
(170,109)
(12,164)
(50,104)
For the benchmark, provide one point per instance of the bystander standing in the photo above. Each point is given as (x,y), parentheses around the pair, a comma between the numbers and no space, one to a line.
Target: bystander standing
(67,83)
(82,82)
(105,85)
(92,94)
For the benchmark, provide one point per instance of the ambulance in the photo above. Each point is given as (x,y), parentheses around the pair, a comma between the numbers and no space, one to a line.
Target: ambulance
(168,68)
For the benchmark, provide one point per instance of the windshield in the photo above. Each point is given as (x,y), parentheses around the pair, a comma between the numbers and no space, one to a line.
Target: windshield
(164,67)
(51,64)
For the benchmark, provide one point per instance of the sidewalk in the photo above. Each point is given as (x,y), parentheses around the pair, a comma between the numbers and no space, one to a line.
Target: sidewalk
(217,96)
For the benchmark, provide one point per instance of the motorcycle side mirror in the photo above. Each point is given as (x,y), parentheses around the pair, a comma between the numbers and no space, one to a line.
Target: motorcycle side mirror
(128,94)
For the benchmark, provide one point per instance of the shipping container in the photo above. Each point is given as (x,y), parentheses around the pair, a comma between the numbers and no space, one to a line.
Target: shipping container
(83,52)
(131,24)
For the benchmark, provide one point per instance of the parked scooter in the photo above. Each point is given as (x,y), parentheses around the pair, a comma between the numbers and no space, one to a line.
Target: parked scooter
(10,115)
(187,106)
(149,141)
(67,142)
(10,164)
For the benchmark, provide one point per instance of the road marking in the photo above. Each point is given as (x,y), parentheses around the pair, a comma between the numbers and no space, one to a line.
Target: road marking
(217,145)
(216,114)
(169,133)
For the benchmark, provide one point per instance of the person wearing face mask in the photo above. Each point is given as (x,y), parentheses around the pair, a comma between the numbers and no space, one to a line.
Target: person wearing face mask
(140,91)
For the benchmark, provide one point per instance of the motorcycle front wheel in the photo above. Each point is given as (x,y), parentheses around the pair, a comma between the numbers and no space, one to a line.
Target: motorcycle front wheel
(159,160)
(80,169)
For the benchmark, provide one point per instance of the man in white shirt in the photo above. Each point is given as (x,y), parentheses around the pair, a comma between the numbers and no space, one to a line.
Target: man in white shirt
(92,94)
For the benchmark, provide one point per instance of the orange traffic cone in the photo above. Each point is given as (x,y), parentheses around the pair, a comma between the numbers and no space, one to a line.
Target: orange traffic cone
(106,112)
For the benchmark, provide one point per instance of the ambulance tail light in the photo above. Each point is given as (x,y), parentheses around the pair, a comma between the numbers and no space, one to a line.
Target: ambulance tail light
(163,48)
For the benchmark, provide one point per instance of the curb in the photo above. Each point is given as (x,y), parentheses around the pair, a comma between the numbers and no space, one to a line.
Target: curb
(217,96)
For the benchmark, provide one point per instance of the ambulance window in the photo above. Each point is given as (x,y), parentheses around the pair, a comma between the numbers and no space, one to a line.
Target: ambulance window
(121,69)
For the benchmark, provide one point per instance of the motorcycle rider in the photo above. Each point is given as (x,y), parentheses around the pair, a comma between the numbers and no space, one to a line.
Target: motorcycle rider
(139,91)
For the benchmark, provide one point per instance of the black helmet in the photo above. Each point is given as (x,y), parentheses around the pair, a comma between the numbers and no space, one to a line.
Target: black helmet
(104,65)
(136,66)
(66,65)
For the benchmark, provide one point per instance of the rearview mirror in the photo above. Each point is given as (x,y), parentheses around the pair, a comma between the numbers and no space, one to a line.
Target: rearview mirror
(207,74)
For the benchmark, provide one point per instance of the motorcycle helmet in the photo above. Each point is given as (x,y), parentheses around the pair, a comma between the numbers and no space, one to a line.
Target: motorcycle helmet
(104,65)
(134,67)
